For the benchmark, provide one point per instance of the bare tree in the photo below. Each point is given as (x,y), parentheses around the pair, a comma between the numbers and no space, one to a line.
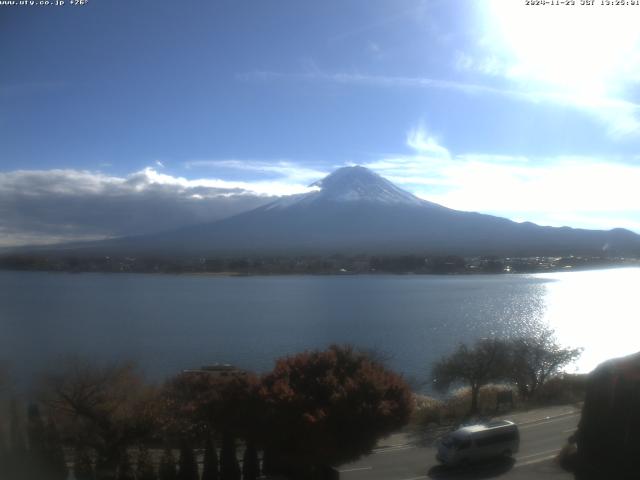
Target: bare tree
(473,366)
(536,358)
(104,408)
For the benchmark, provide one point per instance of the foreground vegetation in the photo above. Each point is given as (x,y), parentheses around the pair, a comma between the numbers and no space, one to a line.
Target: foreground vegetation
(314,410)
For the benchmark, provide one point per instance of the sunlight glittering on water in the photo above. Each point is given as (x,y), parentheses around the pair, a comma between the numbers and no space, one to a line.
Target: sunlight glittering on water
(596,310)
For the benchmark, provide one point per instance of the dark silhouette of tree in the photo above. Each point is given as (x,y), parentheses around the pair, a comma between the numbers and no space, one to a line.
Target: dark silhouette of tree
(229,467)
(144,468)
(36,438)
(536,358)
(329,407)
(210,464)
(4,456)
(125,470)
(105,468)
(188,466)
(82,466)
(250,462)
(167,470)
(55,460)
(105,408)
(473,366)
(18,461)
(46,458)
(200,402)
(196,404)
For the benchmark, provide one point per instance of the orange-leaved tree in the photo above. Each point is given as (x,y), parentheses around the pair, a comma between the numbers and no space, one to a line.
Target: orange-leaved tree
(329,407)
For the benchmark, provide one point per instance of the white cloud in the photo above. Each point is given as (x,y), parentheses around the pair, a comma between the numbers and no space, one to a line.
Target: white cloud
(579,191)
(48,206)
(388,81)
(291,173)
(620,117)
(418,140)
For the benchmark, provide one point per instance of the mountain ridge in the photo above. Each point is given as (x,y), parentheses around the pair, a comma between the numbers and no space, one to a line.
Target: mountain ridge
(354,210)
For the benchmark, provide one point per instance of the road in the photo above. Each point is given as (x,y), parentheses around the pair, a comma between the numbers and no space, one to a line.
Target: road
(539,443)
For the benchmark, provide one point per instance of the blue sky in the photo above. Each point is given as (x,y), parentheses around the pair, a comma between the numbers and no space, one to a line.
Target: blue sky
(491,106)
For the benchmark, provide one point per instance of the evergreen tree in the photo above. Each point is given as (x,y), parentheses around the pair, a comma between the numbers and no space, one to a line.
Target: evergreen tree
(144,469)
(106,468)
(250,463)
(35,432)
(36,437)
(168,466)
(82,466)
(268,462)
(188,466)
(17,459)
(210,467)
(55,460)
(125,470)
(229,468)
(5,466)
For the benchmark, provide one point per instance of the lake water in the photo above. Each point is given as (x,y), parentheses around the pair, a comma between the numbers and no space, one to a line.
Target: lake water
(168,323)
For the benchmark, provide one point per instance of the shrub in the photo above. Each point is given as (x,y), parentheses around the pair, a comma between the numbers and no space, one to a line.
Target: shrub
(458,405)
(561,390)
(427,410)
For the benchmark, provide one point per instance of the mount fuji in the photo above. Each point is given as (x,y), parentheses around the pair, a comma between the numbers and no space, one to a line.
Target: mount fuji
(354,210)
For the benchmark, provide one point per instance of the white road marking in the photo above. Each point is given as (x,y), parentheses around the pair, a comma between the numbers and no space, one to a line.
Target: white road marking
(355,469)
(537,460)
(548,421)
(393,449)
(555,450)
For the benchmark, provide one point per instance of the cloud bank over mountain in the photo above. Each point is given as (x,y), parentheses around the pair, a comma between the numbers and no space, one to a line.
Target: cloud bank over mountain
(577,190)
(49,206)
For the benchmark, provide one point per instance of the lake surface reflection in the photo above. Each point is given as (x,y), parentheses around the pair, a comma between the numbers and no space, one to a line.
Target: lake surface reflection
(168,323)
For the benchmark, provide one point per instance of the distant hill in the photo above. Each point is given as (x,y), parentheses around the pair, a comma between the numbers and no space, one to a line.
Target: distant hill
(354,210)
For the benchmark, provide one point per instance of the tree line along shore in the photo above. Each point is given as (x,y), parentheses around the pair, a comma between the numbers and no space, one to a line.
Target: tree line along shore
(338,264)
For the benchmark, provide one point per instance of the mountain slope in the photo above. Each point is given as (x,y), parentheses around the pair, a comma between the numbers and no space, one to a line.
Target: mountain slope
(354,210)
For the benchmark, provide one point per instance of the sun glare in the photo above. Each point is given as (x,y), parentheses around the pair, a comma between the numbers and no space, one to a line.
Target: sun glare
(587,50)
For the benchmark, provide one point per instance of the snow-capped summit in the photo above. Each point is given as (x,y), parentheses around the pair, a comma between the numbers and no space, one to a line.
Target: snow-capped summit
(361,184)
(353,185)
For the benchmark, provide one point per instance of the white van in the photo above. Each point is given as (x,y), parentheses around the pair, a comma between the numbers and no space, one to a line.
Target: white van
(479,442)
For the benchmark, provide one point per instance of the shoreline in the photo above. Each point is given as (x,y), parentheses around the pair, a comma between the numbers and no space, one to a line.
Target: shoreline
(232,274)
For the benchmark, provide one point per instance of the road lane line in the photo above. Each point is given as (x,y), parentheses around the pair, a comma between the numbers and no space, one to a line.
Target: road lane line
(392,450)
(537,460)
(392,446)
(570,430)
(354,469)
(555,450)
(545,422)
(554,417)
(416,478)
